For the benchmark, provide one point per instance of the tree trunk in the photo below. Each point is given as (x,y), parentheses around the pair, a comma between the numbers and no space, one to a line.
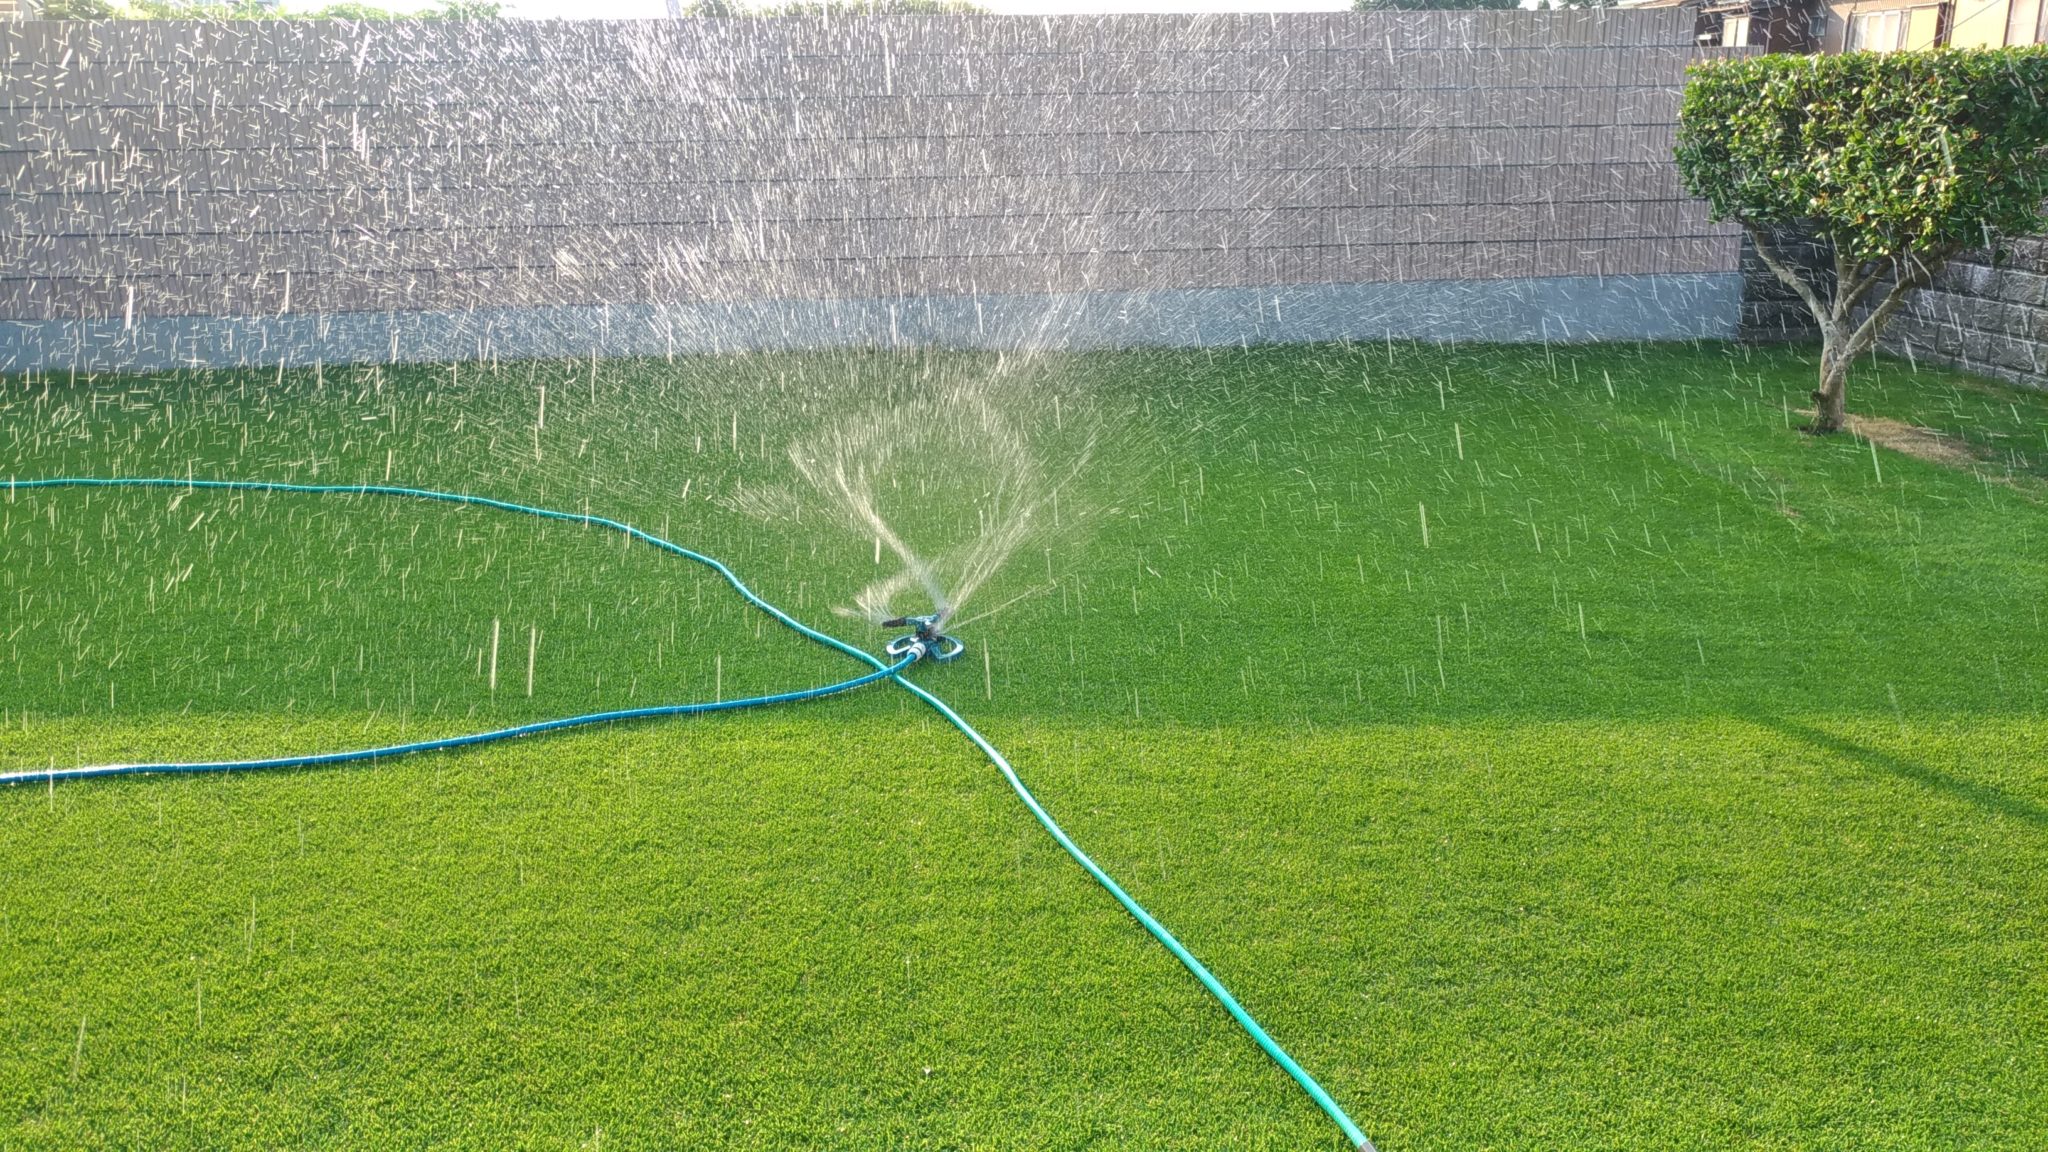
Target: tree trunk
(1833,299)
(1831,399)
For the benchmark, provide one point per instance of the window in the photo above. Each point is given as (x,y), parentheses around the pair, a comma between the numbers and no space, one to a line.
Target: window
(1923,28)
(1735,31)
(1877,31)
(2027,22)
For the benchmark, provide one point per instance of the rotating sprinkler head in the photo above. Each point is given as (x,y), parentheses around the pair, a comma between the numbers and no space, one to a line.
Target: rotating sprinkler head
(926,639)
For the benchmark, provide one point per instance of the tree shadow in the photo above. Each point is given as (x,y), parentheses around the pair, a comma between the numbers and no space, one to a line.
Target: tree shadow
(1984,796)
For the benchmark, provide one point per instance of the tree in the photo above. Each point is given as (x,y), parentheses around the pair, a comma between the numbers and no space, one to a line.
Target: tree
(1432,5)
(258,10)
(1890,163)
(736,8)
(79,10)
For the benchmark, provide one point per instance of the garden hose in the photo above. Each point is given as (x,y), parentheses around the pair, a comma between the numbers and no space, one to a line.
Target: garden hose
(328,759)
(926,642)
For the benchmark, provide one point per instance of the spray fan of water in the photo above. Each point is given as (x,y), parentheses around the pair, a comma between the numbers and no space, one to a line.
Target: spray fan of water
(951,465)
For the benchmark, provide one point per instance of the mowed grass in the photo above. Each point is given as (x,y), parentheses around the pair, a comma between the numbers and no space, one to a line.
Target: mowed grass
(1684,788)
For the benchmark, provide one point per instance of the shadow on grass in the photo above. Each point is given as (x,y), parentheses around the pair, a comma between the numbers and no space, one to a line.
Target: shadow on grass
(1984,796)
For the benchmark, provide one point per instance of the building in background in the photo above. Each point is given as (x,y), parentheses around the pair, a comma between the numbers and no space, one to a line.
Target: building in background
(1771,25)
(1883,26)
(1862,25)
(1996,23)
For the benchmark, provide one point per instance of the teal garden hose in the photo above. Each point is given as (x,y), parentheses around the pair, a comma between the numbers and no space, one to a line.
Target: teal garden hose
(927,642)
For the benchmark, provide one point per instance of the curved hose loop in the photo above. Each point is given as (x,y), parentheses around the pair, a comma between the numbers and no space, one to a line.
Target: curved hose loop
(918,648)
(584,518)
(328,759)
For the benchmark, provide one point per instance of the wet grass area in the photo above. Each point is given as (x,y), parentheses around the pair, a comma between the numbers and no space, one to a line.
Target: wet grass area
(1553,747)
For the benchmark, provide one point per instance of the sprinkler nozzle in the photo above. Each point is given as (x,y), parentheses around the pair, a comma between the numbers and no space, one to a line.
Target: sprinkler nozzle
(926,639)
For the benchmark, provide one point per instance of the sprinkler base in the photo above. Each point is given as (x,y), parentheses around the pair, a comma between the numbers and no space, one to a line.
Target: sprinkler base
(930,643)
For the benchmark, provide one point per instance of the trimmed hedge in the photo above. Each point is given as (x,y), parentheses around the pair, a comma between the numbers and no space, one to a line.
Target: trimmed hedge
(1892,163)
(1885,153)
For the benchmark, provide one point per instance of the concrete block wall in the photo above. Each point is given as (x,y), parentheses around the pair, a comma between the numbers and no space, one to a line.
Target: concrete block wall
(1771,311)
(1983,315)
(317,186)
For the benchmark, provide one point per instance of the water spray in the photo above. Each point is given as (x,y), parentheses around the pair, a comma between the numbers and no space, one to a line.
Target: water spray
(927,641)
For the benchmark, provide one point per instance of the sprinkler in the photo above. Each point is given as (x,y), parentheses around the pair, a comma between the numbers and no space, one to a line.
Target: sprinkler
(927,641)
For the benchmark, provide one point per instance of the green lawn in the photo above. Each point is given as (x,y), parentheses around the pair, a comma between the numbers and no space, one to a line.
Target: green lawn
(1687,787)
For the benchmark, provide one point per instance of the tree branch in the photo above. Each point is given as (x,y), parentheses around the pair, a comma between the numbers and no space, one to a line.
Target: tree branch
(1844,274)
(1783,268)
(1922,273)
(1845,300)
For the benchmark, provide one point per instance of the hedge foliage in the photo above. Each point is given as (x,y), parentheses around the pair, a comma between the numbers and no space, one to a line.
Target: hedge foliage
(1885,153)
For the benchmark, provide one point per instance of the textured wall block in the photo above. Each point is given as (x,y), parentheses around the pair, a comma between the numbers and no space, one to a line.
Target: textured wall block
(162,168)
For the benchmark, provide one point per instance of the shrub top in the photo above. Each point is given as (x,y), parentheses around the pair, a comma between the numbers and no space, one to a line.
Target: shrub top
(1885,153)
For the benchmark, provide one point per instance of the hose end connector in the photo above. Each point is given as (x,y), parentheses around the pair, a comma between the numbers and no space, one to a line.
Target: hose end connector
(926,641)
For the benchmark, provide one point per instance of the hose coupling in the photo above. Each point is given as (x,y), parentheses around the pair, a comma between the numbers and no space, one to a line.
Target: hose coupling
(926,640)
